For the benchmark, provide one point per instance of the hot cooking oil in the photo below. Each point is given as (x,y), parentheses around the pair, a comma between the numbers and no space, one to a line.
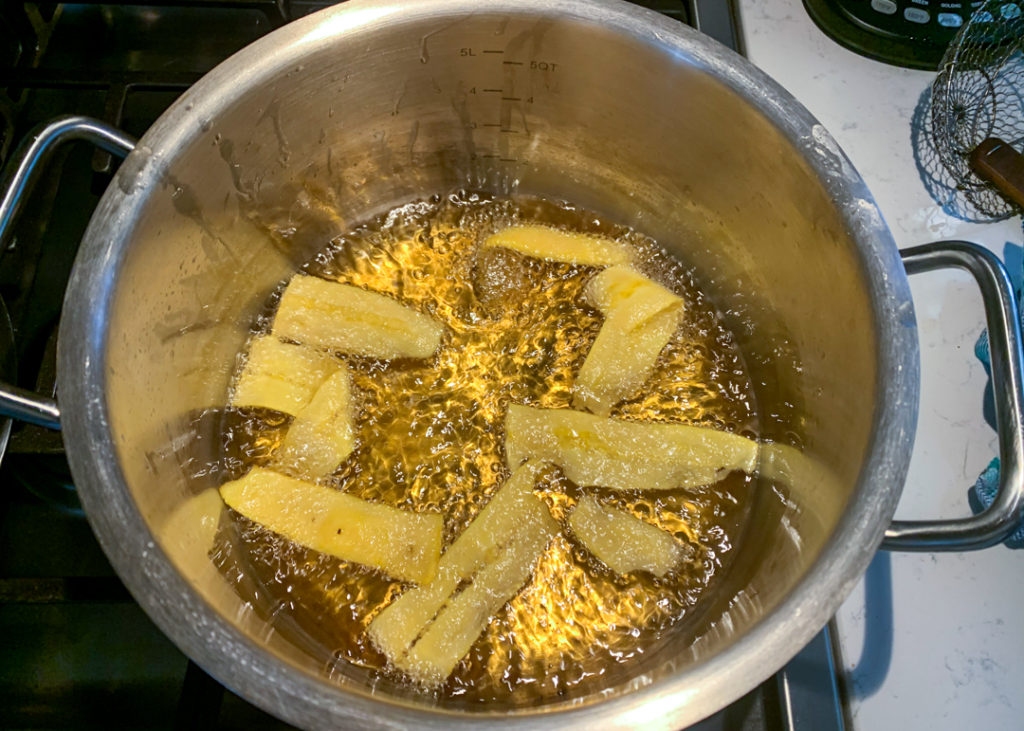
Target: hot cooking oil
(429,438)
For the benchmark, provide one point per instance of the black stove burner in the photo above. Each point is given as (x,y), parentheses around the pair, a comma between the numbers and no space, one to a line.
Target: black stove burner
(78,652)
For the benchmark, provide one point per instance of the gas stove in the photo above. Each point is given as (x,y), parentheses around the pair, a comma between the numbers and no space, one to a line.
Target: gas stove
(80,653)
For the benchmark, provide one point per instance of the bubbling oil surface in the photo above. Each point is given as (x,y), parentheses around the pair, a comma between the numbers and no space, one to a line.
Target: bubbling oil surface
(430,436)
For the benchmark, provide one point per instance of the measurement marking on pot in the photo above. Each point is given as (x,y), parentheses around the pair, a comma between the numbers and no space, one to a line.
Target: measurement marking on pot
(493,91)
(509,159)
(486,51)
(535,65)
(511,99)
(508,130)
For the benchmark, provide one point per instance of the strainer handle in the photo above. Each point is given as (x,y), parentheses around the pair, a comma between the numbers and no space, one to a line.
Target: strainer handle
(998,163)
(1004,515)
(19,177)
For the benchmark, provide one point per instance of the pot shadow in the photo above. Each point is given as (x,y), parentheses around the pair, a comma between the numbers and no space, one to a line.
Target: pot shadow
(863,679)
(817,684)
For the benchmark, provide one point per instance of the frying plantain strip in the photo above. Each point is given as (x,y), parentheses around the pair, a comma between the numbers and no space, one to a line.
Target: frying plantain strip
(402,544)
(450,636)
(640,318)
(620,360)
(281,376)
(512,511)
(543,242)
(348,319)
(623,288)
(625,455)
(321,435)
(622,541)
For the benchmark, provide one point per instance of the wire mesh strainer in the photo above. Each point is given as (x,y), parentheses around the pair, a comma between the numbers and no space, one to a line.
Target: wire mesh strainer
(979,95)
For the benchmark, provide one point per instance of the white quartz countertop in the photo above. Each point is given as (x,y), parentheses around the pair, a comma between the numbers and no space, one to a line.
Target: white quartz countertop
(928,641)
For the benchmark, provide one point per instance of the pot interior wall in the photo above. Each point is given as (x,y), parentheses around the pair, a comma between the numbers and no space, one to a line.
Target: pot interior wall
(346,125)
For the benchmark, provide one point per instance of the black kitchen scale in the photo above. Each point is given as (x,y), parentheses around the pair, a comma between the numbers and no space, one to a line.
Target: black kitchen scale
(910,33)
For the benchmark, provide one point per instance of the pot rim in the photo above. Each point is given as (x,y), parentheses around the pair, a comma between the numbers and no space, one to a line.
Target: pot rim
(304,699)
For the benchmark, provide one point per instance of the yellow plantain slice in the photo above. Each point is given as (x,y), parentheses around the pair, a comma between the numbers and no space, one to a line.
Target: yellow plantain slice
(450,636)
(402,544)
(625,455)
(640,318)
(341,317)
(513,511)
(542,242)
(281,376)
(395,629)
(622,288)
(622,541)
(620,360)
(321,436)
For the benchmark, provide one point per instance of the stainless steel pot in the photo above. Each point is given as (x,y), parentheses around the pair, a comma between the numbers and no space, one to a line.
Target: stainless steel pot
(354,110)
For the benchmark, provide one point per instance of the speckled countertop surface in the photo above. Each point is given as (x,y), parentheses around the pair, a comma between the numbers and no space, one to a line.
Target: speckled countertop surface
(928,641)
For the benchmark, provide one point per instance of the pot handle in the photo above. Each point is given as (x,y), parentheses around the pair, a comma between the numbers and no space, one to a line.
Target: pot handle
(1003,516)
(18,179)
